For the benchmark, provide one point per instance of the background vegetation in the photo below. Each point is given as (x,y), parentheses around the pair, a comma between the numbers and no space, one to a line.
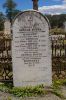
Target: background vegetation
(56,21)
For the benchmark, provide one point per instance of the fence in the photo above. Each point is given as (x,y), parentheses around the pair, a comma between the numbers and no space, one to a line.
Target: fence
(58,58)
(5,58)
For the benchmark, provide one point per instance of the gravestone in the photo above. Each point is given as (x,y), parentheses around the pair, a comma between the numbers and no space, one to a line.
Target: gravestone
(7,27)
(31,52)
(65,26)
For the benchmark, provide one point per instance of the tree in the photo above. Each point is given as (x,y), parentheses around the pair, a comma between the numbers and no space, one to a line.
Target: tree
(15,12)
(57,20)
(2,18)
(10,6)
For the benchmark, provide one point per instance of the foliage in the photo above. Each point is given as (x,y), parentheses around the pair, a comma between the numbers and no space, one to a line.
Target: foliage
(56,88)
(56,84)
(59,82)
(58,93)
(38,90)
(23,91)
(9,98)
(28,91)
(63,82)
(57,20)
(56,31)
(2,17)
(10,6)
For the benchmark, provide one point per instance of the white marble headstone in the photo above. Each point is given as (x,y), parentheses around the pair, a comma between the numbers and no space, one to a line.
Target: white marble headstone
(65,26)
(31,53)
(7,27)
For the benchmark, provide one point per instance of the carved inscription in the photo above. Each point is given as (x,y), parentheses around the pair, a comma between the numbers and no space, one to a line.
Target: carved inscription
(30,39)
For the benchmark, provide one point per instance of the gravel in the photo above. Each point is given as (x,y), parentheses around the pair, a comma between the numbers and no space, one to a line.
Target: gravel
(7,96)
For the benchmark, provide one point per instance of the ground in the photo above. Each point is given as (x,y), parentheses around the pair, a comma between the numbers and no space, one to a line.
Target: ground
(6,96)
(49,96)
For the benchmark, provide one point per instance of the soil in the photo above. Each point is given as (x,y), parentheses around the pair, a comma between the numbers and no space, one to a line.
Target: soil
(7,96)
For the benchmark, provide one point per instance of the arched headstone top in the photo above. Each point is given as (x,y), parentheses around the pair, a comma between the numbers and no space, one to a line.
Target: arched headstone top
(31,11)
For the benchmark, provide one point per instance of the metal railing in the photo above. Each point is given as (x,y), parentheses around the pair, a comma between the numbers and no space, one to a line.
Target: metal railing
(58,58)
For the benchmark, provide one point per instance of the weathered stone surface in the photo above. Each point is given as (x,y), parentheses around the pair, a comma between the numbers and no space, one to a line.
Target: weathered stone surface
(31,53)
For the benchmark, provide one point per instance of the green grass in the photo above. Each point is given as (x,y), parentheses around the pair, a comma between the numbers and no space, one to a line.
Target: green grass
(30,91)
(24,91)
(56,87)
(64,41)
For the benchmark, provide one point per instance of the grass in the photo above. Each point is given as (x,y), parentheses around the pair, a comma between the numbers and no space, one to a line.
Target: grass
(56,87)
(30,91)
(59,82)
(64,41)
